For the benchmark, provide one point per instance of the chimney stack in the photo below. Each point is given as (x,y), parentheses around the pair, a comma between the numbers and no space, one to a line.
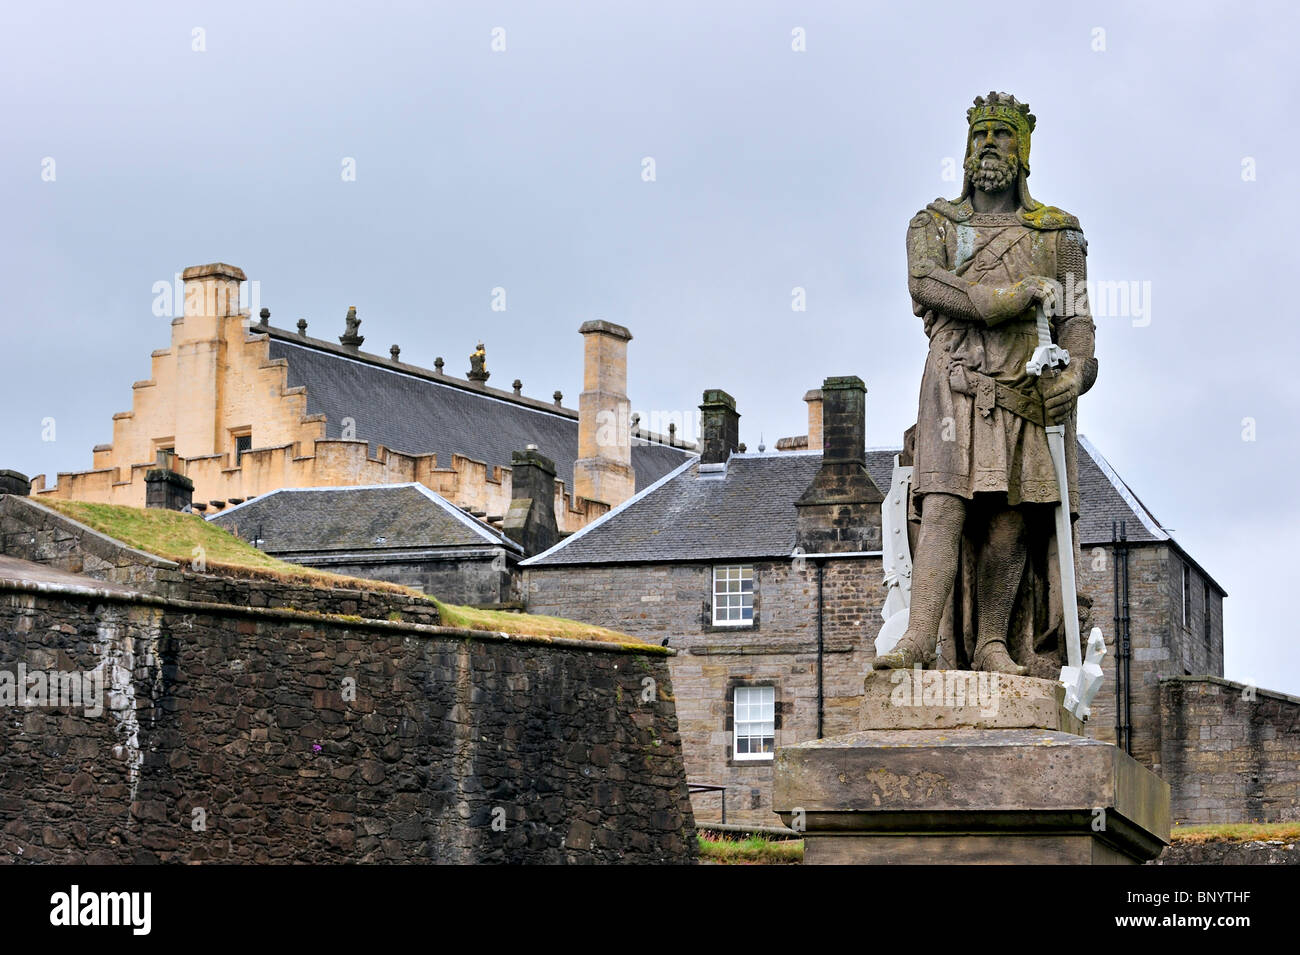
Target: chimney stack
(212,290)
(814,399)
(14,482)
(719,427)
(603,471)
(840,511)
(199,342)
(531,519)
(164,488)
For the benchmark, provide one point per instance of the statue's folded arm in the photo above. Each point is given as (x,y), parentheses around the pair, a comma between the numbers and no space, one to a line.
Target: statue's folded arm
(935,288)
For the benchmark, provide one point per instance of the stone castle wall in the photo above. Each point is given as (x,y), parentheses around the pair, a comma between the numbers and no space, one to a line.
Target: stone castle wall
(240,735)
(34,533)
(1234,749)
(313,724)
(1162,646)
(455,580)
(673,601)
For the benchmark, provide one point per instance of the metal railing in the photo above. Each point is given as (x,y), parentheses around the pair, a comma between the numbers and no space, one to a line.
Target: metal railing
(706,788)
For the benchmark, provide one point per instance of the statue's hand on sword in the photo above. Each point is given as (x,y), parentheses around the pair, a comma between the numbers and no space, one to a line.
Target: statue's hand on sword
(1060,391)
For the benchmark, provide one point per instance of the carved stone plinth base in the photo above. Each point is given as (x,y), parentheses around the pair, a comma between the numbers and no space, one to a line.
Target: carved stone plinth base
(964,795)
(962,699)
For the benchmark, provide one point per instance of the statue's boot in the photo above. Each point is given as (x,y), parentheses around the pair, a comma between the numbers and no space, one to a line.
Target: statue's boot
(907,653)
(992,657)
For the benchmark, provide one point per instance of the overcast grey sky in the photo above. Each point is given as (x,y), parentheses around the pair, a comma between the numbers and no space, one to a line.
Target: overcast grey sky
(774,169)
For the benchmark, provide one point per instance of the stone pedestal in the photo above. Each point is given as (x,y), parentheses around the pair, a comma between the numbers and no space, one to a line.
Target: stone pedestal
(998,779)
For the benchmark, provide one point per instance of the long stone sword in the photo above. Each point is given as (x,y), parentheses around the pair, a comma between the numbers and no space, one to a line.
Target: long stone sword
(1049,356)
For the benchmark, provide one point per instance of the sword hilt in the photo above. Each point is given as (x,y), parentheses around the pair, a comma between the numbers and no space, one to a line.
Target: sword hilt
(1047,356)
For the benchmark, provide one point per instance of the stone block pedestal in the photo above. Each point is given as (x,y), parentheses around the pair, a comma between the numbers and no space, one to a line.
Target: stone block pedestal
(967,794)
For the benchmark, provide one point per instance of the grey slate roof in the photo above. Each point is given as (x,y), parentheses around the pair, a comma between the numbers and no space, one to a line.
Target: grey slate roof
(384,517)
(1107,498)
(416,415)
(750,513)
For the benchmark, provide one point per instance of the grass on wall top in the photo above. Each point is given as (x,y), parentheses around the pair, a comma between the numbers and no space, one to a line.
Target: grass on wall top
(184,538)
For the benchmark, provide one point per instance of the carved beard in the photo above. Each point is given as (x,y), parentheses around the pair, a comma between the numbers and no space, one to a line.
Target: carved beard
(992,173)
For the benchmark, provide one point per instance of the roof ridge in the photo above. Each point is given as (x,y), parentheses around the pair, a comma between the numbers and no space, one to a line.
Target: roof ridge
(337,487)
(1136,506)
(433,378)
(610,513)
(482,528)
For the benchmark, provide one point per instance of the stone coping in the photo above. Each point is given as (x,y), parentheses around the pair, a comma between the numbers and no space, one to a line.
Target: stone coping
(114,593)
(97,542)
(1230,684)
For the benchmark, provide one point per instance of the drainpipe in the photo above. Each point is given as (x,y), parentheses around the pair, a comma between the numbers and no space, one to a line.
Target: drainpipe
(1119,635)
(1123,671)
(821,697)
(1128,645)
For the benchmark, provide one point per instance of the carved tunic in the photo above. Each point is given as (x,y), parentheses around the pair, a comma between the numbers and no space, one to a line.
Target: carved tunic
(980,423)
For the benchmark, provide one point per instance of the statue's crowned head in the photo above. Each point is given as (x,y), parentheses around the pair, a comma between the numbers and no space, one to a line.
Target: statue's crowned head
(997,145)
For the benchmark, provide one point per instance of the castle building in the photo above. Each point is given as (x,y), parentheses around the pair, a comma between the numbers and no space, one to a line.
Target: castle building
(242,408)
(765,572)
(402,533)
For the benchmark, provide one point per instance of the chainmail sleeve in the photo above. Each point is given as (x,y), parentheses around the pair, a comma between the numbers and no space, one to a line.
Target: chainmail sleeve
(933,287)
(1075,331)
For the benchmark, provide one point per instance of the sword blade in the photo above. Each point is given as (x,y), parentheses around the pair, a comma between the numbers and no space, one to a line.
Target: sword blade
(1065,546)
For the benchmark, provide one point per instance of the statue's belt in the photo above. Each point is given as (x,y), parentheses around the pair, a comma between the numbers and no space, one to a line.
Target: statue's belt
(988,392)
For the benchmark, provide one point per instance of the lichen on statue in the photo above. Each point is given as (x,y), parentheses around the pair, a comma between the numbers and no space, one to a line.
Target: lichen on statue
(986,590)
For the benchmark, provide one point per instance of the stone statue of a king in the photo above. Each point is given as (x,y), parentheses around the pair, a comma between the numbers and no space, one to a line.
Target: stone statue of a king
(986,584)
